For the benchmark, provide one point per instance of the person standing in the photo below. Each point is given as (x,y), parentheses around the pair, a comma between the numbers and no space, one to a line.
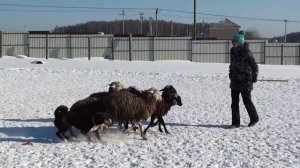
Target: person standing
(243,71)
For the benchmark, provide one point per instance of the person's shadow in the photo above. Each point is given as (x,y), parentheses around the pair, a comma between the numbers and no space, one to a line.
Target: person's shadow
(198,125)
(193,125)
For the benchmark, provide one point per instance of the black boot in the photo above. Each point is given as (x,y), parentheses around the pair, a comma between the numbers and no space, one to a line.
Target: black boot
(233,126)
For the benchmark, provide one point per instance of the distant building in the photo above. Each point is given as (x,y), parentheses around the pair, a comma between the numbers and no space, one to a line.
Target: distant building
(223,30)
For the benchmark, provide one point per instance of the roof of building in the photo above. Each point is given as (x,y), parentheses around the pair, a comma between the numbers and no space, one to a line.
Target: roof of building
(224,24)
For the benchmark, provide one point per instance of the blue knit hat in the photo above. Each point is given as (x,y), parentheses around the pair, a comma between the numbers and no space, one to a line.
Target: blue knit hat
(239,37)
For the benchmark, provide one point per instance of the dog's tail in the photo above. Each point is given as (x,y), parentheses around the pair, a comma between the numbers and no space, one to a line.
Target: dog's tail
(60,110)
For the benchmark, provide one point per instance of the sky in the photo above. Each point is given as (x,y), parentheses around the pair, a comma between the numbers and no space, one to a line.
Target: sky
(20,18)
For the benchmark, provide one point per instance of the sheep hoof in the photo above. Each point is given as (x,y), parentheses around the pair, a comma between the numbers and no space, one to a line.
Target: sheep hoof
(168,132)
(144,137)
(103,142)
(126,131)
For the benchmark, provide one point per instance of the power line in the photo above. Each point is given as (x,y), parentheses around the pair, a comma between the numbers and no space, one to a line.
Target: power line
(71,7)
(145,9)
(230,16)
(55,11)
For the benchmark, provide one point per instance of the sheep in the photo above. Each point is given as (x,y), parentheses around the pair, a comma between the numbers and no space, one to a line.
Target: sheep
(116,87)
(113,87)
(170,98)
(124,106)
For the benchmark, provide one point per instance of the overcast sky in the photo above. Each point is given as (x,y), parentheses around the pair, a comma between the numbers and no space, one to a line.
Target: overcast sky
(21,18)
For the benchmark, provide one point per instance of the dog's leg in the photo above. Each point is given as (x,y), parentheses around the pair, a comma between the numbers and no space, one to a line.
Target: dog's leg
(86,134)
(71,132)
(61,136)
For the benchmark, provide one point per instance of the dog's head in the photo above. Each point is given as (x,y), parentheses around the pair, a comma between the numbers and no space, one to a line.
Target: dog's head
(170,95)
(102,118)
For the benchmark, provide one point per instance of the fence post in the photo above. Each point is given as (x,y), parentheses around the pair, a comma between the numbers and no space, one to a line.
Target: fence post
(191,58)
(89,48)
(130,47)
(265,44)
(154,38)
(299,53)
(70,47)
(47,46)
(281,54)
(112,48)
(228,50)
(0,44)
(28,45)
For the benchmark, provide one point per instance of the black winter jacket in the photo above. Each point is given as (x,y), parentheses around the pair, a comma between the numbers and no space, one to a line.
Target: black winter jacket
(243,69)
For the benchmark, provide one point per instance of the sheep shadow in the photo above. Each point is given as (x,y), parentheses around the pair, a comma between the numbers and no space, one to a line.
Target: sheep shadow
(31,120)
(44,134)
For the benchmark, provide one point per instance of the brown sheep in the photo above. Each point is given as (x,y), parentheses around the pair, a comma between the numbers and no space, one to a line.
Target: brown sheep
(124,106)
(170,98)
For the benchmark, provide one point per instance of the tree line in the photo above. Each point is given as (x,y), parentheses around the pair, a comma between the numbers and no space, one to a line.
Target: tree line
(136,27)
(164,28)
(290,38)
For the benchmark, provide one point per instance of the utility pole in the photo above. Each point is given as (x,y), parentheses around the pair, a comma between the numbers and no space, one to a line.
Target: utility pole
(195,30)
(171,27)
(123,14)
(285,21)
(141,18)
(150,26)
(156,12)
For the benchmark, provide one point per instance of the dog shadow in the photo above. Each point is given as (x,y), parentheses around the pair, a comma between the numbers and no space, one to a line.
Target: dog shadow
(31,120)
(44,134)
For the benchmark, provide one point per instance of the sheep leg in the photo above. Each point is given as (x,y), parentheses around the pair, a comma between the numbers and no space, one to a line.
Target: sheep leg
(154,124)
(126,123)
(134,126)
(163,123)
(159,125)
(150,124)
(141,130)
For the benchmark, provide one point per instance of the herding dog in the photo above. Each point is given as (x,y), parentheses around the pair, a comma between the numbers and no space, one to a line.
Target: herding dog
(64,120)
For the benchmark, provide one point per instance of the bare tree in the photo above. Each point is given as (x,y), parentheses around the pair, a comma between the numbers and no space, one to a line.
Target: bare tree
(252,34)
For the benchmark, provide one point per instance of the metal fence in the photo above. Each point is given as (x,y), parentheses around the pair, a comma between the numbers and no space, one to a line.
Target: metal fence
(141,48)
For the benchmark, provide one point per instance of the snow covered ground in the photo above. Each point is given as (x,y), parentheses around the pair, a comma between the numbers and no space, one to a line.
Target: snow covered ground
(199,138)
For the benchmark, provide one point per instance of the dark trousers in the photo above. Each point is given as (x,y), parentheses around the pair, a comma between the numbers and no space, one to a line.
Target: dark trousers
(246,95)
